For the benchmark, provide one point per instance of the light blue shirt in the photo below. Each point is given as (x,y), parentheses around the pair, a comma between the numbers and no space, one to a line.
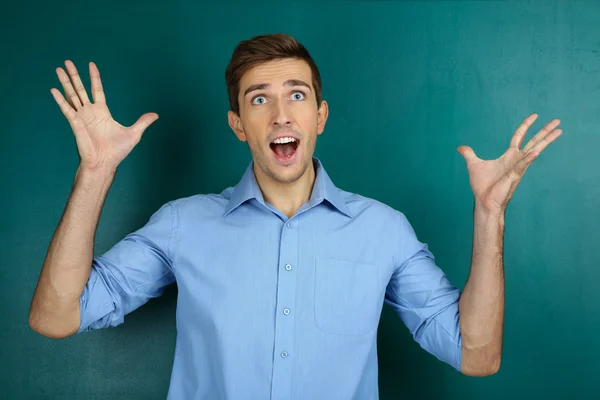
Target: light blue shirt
(271,307)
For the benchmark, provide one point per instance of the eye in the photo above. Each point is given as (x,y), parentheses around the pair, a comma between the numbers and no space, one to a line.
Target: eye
(298,96)
(254,100)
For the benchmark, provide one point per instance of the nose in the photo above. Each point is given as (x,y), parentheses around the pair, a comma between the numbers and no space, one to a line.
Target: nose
(281,115)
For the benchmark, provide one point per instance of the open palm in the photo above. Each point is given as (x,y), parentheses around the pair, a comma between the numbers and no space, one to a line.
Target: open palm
(101,141)
(494,181)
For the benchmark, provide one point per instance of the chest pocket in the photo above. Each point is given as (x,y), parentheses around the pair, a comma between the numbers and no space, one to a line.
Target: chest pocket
(347,298)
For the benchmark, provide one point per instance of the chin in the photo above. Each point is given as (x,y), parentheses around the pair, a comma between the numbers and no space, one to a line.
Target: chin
(286,175)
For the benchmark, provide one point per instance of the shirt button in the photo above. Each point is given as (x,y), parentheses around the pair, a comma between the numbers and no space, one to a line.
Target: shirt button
(284,354)
(288,267)
(290,224)
(286,311)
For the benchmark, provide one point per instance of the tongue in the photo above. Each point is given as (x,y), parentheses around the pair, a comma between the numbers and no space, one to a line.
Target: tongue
(284,150)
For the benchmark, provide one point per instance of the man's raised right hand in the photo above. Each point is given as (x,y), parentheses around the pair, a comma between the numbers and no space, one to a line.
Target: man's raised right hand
(101,141)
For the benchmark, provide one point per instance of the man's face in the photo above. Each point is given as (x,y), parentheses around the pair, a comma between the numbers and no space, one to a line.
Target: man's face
(279,118)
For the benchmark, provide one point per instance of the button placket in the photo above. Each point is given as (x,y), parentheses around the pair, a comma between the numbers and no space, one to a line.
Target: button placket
(284,321)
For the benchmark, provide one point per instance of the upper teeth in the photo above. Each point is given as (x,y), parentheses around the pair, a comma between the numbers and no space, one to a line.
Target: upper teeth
(284,140)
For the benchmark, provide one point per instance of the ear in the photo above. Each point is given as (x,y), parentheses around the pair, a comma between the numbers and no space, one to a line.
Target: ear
(322,115)
(235,123)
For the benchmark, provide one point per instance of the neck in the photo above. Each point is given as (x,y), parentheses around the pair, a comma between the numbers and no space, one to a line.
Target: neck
(287,197)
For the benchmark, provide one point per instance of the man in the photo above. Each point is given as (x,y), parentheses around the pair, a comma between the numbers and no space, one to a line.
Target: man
(282,278)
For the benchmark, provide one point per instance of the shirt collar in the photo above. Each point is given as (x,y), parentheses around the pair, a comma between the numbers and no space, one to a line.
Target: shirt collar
(323,189)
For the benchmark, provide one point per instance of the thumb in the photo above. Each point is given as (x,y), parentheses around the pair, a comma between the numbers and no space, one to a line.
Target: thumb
(143,123)
(467,153)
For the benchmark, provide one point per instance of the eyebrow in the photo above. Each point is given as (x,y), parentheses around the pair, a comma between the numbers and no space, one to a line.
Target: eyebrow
(288,83)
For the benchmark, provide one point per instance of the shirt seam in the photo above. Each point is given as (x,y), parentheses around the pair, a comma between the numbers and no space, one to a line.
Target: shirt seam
(169,254)
(171,233)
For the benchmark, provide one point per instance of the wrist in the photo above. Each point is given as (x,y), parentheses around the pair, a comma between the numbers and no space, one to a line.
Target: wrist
(484,214)
(97,171)
(96,178)
(488,235)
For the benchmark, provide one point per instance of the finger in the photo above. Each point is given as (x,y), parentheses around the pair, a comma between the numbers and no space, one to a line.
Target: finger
(143,122)
(68,111)
(71,96)
(97,90)
(76,79)
(519,135)
(519,169)
(541,134)
(65,107)
(542,144)
(468,154)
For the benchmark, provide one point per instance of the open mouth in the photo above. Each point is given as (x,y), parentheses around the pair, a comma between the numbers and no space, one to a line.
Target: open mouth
(285,148)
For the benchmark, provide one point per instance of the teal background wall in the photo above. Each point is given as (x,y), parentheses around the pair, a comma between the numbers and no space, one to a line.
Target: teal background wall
(407,83)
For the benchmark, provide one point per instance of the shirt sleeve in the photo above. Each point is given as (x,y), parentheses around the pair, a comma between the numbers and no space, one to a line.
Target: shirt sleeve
(425,300)
(132,272)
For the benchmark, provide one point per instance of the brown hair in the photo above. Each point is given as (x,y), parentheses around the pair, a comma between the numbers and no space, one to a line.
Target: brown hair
(264,48)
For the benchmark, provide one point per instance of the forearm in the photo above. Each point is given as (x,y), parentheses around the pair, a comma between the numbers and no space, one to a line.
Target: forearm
(66,270)
(481,306)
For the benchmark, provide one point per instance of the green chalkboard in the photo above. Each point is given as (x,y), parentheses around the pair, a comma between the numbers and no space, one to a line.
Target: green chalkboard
(406,83)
